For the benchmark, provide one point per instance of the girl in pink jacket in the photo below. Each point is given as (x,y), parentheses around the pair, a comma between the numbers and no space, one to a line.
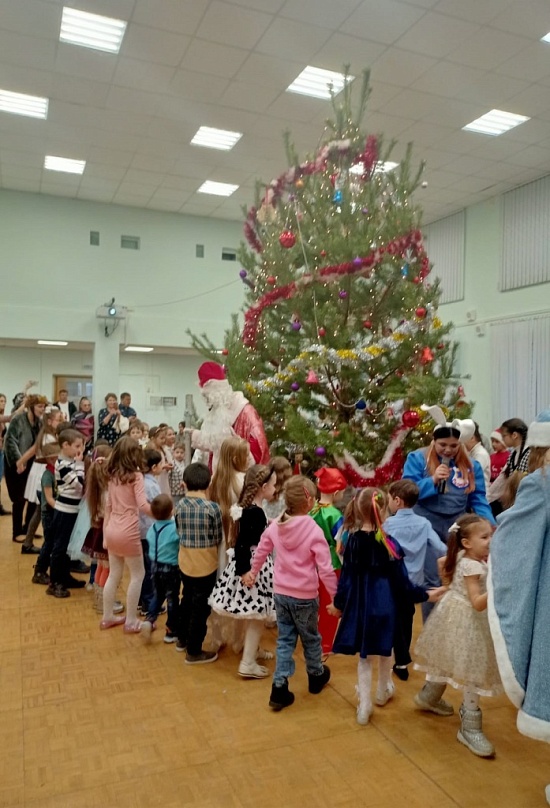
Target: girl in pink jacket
(302,556)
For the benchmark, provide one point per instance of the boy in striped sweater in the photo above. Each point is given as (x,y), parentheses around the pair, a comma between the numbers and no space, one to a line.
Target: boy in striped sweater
(69,475)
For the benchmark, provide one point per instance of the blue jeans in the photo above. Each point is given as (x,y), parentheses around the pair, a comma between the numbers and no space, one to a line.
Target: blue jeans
(297,618)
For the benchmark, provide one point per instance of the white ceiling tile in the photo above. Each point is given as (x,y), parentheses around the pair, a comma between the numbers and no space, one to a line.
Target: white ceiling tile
(390,126)
(200,168)
(436,34)
(88,64)
(412,104)
(130,100)
(32,19)
(20,159)
(98,185)
(469,84)
(340,49)
(272,6)
(20,79)
(172,196)
(400,67)
(153,45)
(473,10)
(225,23)
(158,164)
(487,48)
(136,176)
(531,64)
(259,68)
(494,148)
(532,101)
(531,19)
(209,57)
(466,165)
(330,14)
(103,171)
(532,157)
(131,200)
(380,95)
(253,97)
(142,75)
(22,172)
(20,184)
(95,194)
(27,51)
(286,40)
(472,184)
(180,184)
(181,16)
(291,107)
(424,135)
(119,9)
(187,84)
(115,158)
(383,20)
(78,90)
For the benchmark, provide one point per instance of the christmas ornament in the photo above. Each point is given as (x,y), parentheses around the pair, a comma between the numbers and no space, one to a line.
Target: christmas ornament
(421,312)
(243,273)
(357,261)
(399,374)
(299,183)
(323,253)
(333,178)
(321,331)
(287,239)
(405,271)
(295,386)
(427,356)
(342,294)
(410,419)
(424,184)
(296,325)
(312,378)
(416,279)
(460,391)
(272,280)
(337,197)
(367,323)
(320,451)
(361,404)
(225,352)
(364,211)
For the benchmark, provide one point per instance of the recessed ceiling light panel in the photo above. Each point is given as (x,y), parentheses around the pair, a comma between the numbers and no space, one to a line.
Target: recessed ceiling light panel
(64,164)
(495,122)
(315,81)
(138,349)
(546,37)
(211,138)
(91,30)
(51,342)
(217,188)
(380,168)
(20,104)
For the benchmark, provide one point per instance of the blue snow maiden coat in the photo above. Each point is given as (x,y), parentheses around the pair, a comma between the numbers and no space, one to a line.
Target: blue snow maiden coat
(519,603)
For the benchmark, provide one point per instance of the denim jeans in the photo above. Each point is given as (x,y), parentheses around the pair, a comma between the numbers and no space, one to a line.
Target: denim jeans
(297,618)
(167,584)
(147,595)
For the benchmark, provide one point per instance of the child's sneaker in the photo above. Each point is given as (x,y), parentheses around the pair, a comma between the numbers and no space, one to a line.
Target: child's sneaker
(180,647)
(58,591)
(74,583)
(118,607)
(201,659)
(170,638)
(383,696)
(41,578)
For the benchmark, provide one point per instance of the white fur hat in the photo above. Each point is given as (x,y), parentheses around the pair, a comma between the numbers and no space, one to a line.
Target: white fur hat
(461,429)
(538,433)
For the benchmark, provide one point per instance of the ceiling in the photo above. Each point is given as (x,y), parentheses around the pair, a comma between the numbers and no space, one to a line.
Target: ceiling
(436,65)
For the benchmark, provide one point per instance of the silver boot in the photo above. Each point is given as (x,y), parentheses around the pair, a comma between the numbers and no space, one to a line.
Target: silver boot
(429,699)
(471,733)
(98,598)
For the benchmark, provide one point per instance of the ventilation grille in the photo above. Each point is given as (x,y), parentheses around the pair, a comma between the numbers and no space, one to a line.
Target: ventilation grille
(163,401)
(229,254)
(130,242)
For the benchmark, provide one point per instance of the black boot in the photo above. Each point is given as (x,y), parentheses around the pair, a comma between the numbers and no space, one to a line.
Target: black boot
(280,697)
(319,680)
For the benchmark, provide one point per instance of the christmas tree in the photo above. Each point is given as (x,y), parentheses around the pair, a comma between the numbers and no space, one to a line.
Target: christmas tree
(341,343)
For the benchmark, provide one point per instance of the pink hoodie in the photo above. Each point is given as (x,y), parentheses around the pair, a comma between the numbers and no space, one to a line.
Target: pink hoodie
(302,556)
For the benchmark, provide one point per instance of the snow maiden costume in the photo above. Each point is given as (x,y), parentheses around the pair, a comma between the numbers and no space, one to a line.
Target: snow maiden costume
(519,595)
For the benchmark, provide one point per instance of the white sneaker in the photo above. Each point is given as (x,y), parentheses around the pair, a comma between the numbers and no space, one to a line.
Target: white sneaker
(383,696)
(146,632)
(251,670)
(118,607)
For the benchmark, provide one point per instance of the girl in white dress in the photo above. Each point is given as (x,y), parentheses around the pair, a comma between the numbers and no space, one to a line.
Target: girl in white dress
(455,646)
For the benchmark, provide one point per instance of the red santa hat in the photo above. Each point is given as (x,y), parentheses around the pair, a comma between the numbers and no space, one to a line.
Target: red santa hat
(210,371)
(330,480)
(496,434)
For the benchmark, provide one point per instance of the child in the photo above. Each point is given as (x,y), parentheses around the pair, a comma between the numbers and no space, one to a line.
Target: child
(175,475)
(157,440)
(331,485)
(500,454)
(301,558)
(227,484)
(283,472)
(83,422)
(97,481)
(414,534)
(230,596)
(136,431)
(50,454)
(455,646)
(69,476)
(373,577)
(153,468)
(163,542)
(199,524)
(125,499)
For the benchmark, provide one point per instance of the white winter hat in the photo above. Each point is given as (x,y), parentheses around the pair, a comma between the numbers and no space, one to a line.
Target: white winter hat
(538,433)
(461,429)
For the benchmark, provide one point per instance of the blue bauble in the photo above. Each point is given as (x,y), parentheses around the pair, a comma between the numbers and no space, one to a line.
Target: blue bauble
(337,197)
(405,271)
(361,404)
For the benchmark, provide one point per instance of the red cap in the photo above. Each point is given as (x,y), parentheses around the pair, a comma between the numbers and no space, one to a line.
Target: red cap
(210,371)
(330,480)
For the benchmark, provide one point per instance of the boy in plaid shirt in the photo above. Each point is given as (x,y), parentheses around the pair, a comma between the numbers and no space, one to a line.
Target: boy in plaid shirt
(199,525)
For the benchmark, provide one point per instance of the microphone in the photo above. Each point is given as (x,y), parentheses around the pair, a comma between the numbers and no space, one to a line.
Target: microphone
(446,461)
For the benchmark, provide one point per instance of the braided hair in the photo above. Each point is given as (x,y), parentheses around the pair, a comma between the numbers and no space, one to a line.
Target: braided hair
(515,425)
(254,479)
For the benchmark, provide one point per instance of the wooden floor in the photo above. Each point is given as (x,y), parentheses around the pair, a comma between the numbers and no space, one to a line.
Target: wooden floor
(97,720)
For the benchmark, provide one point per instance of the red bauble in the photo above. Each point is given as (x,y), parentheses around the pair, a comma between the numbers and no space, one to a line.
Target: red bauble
(321,331)
(225,351)
(416,279)
(399,374)
(421,312)
(333,178)
(287,239)
(367,323)
(410,419)
(272,280)
(440,346)
(427,356)
(323,253)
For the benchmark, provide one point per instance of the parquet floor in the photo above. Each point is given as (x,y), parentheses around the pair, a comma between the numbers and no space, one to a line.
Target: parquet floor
(97,720)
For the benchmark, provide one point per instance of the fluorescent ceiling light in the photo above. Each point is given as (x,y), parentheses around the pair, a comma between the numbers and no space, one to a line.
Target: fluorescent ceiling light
(33,106)
(138,349)
(495,122)
(64,164)
(51,342)
(314,81)
(217,188)
(216,138)
(546,38)
(381,168)
(91,30)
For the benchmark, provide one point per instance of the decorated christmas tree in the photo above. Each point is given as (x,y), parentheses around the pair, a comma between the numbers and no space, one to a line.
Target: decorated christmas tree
(340,342)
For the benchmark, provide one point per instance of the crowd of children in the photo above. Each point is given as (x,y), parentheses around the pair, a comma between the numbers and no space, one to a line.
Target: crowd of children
(258,544)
